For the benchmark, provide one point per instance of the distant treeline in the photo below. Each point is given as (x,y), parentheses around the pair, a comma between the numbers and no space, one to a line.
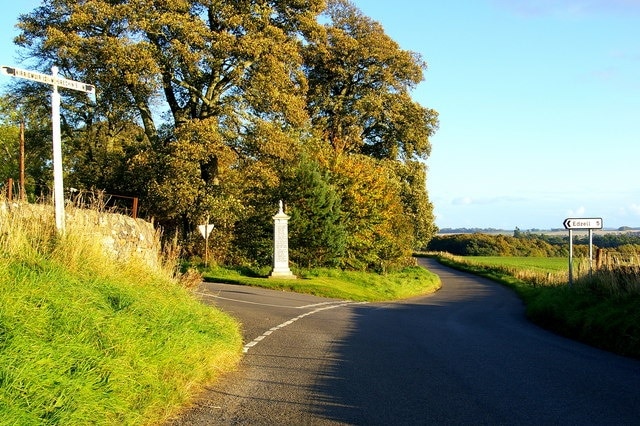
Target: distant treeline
(528,231)
(530,244)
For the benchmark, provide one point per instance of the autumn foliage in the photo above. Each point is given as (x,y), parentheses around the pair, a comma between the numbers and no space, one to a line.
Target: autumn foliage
(219,109)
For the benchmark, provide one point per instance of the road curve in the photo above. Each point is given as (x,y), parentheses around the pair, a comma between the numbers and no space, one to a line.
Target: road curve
(464,355)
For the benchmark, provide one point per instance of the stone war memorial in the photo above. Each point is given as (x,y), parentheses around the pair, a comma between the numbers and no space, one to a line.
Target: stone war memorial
(281,246)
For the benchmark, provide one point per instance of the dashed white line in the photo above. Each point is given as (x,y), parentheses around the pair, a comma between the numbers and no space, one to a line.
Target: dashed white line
(320,307)
(332,305)
(316,304)
(214,296)
(243,301)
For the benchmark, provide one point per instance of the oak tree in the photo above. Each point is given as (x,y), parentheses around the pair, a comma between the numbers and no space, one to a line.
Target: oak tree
(360,82)
(359,88)
(235,65)
(218,108)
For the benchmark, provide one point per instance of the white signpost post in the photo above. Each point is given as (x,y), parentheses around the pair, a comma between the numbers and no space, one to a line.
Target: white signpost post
(581,223)
(55,81)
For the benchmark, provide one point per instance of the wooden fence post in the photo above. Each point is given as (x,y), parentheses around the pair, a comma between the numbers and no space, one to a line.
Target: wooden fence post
(599,258)
(10,189)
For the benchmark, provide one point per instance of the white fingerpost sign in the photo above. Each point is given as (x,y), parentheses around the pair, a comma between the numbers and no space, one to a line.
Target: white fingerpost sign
(55,81)
(583,223)
(589,223)
(281,246)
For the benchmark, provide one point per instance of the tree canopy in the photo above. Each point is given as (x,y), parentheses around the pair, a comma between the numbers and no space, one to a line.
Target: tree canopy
(359,84)
(218,109)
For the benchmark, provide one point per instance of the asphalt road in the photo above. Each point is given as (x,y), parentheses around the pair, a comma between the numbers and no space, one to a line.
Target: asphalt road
(464,355)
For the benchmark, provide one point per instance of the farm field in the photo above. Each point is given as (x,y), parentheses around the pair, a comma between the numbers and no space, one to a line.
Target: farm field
(534,271)
(538,264)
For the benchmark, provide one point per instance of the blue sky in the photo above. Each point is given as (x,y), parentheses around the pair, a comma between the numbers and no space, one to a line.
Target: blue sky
(539,104)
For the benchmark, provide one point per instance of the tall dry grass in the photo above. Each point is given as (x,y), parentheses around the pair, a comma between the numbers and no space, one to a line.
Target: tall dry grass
(612,281)
(612,278)
(86,338)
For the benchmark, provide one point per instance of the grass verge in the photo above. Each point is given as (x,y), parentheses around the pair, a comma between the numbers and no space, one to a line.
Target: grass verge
(350,285)
(598,314)
(85,339)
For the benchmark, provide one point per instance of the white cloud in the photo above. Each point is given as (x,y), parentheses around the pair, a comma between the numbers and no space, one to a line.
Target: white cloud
(580,211)
(605,74)
(462,201)
(634,209)
(501,199)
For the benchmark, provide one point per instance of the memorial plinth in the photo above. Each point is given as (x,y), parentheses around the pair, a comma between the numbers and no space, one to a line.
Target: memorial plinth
(281,246)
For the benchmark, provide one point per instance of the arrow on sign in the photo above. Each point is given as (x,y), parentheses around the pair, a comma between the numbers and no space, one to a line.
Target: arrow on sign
(47,79)
(583,223)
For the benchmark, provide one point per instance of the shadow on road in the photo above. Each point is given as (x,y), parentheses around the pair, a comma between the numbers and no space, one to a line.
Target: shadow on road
(467,355)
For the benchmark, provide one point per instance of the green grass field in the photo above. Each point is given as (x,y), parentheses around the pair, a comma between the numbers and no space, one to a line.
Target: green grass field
(535,271)
(86,340)
(538,264)
(351,285)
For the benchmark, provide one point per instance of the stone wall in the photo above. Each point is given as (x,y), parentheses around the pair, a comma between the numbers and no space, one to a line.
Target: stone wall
(122,237)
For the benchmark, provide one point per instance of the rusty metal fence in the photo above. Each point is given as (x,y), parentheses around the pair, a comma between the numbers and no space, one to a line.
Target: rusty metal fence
(98,200)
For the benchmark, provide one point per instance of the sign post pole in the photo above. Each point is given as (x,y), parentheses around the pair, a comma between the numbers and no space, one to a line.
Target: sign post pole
(590,252)
(205,230)
(570,258)
(58,187)
(55,81)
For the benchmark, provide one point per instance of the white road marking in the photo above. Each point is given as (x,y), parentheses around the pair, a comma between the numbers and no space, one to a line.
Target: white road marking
(214,296)
(320,307)
(333,305)
(317,304)
(244,301)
